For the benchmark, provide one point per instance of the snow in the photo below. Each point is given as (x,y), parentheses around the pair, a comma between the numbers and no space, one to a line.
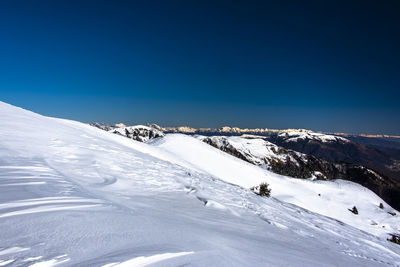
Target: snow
(256,150)
(103,199)
(53,262)
(12,250)
(4,263)
(329,198)
(197,155)
(294,136)
(144,261)
(138,132)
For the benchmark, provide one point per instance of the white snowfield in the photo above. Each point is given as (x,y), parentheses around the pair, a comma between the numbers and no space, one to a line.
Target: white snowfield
(74,195)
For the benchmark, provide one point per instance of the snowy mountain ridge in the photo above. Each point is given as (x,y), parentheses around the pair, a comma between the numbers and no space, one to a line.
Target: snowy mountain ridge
(254,150)
(139,133)
(71,194)
(226,130)
(290,135)
(259,151)
(291,163)
(295,136)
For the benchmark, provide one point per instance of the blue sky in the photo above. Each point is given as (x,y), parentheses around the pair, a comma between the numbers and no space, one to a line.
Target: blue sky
(322,65)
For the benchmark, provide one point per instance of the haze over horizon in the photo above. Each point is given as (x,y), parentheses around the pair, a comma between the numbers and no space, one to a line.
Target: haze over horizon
(324,66)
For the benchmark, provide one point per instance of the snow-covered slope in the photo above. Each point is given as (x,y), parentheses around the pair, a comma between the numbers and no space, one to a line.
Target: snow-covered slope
(294,164)
(74,195)
(339,149)
(330,198)
(255,150)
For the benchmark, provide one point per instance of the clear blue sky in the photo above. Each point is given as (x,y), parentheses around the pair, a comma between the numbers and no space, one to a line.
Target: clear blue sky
(322,65)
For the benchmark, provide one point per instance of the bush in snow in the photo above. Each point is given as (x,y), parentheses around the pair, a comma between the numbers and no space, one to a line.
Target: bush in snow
(262,190)
(395,239)
(354,210)
(265,190)
(381,206)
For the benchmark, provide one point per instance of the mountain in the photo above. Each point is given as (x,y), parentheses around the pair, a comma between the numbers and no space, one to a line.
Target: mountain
(329,198)
(226,130)
(294,164)
(75,195)
(139,132)
(254,149)
(103,126)
(339,149)
(386,144)
(378,152)
(268,155)
(289,162)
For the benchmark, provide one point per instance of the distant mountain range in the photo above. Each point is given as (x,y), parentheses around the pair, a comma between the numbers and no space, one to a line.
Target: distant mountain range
(261,131)
(227,130)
